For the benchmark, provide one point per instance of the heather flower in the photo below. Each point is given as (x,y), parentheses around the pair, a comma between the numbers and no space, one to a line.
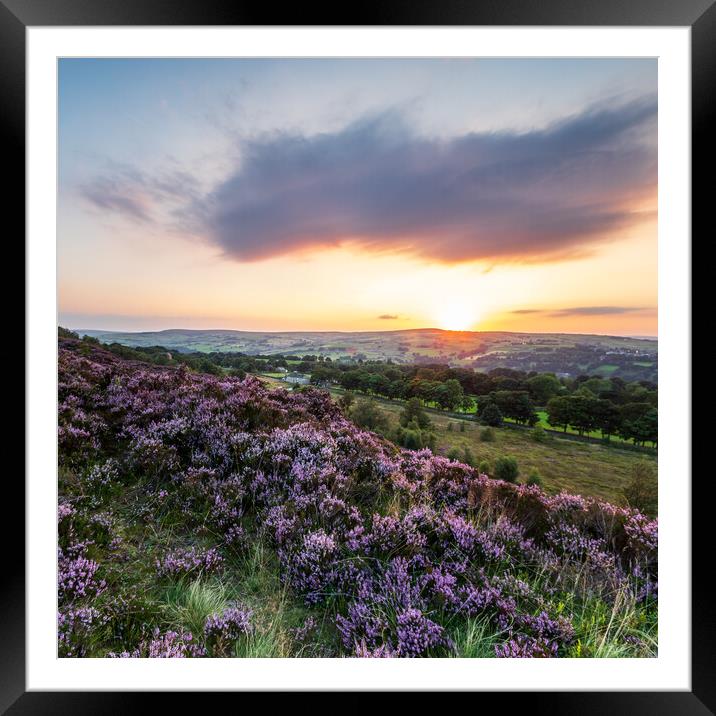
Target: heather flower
(301,634)
(230,624)
(73,627)
(522,647)
(381,652)
(170,645)
(77,578)
(182,562)
(417,635)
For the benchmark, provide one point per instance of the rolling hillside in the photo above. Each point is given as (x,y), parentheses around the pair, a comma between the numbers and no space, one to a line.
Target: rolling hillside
(627,358)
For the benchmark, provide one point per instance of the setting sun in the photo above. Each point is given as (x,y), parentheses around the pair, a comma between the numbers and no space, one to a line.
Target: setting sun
(456,317)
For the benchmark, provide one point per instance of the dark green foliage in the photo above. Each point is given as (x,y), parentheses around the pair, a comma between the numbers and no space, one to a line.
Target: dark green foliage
(534,478)
(414,411)
(366,414)
(642,491)
(455,454)
(66,333)
(487,435)
(506,468)
(491,415)
(468,458)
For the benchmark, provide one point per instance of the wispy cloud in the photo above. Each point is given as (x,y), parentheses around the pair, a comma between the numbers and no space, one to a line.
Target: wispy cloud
(140,196)
(585,311)
(388,317)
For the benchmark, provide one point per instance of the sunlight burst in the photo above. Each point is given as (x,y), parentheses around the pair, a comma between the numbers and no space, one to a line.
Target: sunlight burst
(457,317)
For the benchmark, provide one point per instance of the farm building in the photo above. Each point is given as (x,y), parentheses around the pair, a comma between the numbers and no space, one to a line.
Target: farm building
(297,378)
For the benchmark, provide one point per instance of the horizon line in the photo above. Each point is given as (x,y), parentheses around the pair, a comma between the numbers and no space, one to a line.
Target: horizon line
(390,330)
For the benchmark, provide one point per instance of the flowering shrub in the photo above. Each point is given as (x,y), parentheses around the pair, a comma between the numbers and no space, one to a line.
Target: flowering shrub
(223,629)
(190,561)
(170,645)
(77,578)
(74,626)
(396,547)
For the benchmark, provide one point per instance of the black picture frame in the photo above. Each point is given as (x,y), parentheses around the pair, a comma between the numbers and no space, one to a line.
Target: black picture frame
(700,15)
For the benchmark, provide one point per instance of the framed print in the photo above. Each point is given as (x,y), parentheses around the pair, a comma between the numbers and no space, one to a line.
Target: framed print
(349,351)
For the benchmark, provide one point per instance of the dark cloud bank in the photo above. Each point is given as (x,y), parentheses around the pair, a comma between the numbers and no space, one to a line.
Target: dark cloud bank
(526,196)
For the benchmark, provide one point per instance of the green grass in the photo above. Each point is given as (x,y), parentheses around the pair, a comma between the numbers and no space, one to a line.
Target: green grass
(606,369)
(474,639)
(601,628)
(190,603)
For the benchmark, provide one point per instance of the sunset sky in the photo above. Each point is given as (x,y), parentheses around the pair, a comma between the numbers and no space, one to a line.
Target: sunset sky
(515,195)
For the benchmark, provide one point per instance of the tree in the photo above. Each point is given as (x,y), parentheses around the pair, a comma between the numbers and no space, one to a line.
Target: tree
(515,404)
(449,395)
(413,410)
(346,400)
(559,412)
(635,425)
(607,418)
(642,491)
(321,374)
(506,468)
(646,428)
(491,415)
(368,415)
(544,386)
(379,384)
(583,411)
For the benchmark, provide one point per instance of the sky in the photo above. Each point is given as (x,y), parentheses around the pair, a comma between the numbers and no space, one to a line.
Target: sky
(358,194)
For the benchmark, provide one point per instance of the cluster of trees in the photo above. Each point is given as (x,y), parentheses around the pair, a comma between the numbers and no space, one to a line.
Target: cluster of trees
(586,404)
(432,385)
(414,430)
(637,421)
(514,404)
(435,384)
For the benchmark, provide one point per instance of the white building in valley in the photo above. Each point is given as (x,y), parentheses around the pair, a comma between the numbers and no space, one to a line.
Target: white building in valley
(298,378)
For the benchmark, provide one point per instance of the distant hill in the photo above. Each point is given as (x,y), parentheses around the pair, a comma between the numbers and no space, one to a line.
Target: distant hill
(570,354)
